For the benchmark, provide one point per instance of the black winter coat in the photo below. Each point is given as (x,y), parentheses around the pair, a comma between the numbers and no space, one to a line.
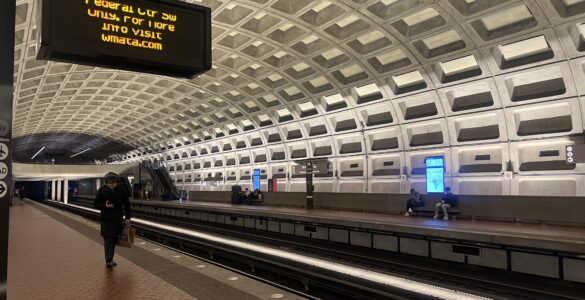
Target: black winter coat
(112,219)
(450,199)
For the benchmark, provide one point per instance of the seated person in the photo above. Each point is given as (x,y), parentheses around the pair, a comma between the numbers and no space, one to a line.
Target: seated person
(449,201)
(256,196)
(259,195)
(413,201)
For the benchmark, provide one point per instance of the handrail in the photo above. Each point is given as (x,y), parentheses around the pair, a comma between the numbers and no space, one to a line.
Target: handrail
(156,184)
(157,169)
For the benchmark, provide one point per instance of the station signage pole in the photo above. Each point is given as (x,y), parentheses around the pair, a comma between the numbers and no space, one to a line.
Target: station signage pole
(7,16)
(309,178)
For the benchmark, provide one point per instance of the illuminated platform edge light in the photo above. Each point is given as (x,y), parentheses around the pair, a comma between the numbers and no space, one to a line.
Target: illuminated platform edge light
(377,277)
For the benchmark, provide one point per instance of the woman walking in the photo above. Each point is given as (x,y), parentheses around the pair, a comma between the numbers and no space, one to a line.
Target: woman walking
(113,202)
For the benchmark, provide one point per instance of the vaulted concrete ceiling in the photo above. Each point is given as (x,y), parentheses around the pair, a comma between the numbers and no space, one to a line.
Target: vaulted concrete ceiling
(279,61)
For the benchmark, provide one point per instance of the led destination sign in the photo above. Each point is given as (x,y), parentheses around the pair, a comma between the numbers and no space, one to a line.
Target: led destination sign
(166,37)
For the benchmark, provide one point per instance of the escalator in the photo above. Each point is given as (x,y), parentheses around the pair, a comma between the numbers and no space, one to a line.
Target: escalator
(163,186)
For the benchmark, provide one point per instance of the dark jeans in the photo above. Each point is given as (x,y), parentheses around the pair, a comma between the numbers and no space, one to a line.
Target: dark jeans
(411,203)
(109,247)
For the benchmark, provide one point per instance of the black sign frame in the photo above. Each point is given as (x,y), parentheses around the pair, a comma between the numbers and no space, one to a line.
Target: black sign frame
(7,18)
(56,46)
(575,153)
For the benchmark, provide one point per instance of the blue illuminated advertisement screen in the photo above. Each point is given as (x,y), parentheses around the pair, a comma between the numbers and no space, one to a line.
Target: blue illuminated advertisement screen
(435,174)
(256,179)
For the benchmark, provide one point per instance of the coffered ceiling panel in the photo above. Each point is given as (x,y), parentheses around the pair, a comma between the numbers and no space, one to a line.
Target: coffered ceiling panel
(277,61)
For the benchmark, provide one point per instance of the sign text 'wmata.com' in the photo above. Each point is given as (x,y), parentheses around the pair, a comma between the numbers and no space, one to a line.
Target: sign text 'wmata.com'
(166,37)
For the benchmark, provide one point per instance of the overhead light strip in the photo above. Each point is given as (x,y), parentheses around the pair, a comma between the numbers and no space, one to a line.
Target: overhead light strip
(33,157)
(382,278)
(74,155)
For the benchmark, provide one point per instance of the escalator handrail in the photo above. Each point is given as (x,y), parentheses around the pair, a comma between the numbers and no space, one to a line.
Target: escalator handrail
(156,181)
(159,173)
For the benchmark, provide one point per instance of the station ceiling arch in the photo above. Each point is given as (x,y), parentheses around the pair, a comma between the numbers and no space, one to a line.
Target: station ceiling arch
(279,61)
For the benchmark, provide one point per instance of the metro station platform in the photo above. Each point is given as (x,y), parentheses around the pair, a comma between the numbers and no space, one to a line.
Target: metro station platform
(555,251)
(542,236)
(56,255)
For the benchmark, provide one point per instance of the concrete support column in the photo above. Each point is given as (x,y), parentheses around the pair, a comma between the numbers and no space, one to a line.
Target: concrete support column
(59,188)
(54,190)
(65,191)
(46,191)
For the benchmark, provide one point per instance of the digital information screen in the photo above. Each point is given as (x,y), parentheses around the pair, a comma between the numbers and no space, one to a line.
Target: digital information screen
(167,37)
(256,179)
(435,167)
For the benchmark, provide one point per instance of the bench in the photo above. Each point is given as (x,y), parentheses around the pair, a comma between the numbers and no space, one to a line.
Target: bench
(255,202)
(427,210)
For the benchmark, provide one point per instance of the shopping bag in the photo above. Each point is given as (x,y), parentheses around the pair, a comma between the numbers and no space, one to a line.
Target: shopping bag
(126,239)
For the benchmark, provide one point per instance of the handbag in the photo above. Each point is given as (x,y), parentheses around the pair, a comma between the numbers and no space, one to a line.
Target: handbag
(126,239)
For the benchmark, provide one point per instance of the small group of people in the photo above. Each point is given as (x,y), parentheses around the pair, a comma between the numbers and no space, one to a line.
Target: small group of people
(20,193)
(448,201)
(250,196)
(146,191)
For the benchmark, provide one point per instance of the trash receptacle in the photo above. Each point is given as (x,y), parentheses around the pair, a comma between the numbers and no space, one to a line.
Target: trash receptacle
(236,194)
